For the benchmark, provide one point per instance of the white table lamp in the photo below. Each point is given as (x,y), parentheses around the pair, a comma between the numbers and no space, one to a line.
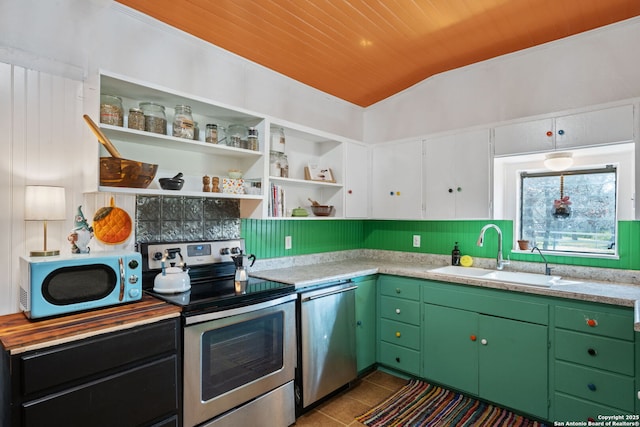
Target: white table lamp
(44,203)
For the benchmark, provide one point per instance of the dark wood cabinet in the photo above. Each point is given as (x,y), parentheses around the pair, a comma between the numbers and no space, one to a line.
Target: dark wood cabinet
(125,378)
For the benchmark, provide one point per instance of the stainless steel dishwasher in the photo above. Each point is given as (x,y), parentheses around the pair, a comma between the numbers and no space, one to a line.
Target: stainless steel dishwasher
(327,344)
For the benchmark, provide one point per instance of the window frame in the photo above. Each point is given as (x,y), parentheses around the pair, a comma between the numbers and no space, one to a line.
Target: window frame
(605,169)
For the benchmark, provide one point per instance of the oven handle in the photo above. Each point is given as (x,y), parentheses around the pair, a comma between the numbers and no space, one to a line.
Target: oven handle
(190,320)
(326,294)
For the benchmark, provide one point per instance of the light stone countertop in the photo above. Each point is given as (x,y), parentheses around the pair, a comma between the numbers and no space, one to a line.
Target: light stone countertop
(317,269)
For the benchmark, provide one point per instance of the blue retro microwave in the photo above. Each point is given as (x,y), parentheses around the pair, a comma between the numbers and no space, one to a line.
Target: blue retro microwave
(51,286)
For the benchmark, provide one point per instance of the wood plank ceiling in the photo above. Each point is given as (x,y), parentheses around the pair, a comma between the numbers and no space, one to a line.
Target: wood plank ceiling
(363,51)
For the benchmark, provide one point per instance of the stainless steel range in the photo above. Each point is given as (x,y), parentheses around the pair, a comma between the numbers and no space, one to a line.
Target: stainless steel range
(239,347)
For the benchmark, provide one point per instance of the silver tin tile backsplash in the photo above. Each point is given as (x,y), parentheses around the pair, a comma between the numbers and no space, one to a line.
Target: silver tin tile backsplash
(174,219)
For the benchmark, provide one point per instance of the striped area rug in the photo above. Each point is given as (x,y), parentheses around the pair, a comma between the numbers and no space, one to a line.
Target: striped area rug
(419,404)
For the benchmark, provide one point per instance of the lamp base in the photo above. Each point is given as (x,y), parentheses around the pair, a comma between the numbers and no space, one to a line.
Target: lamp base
(45,253)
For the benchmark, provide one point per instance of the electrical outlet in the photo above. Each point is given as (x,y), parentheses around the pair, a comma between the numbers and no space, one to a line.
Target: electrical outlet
(287,242)
(416,240)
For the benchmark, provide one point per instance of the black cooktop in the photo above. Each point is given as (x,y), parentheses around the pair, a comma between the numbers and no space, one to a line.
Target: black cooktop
(220,294)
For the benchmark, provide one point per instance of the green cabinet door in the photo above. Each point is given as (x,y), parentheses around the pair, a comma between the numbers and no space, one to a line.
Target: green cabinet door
(366,322)
(501,360)
(514,364)
(450,352)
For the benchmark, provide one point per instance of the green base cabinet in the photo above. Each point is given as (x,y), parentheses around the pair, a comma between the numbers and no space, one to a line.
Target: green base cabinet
(399,342)
(594,362)
(365,322)
(500,360)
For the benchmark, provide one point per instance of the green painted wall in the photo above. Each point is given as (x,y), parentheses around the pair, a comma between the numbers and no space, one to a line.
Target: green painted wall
(265,238)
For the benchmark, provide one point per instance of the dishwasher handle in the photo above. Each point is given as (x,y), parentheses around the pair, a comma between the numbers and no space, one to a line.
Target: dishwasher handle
(332,291)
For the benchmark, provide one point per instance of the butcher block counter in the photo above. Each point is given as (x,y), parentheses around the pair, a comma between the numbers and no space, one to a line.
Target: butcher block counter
(83,369)
(19,334)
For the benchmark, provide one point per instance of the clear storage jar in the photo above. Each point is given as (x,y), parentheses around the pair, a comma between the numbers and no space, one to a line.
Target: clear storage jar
(237,136)
(183,126)
(211,133)
(155,119)
(252,139)
(111,112)
(277,139)
(135,119)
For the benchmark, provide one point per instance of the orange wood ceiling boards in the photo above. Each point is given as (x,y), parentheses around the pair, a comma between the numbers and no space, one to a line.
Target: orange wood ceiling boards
(363,51)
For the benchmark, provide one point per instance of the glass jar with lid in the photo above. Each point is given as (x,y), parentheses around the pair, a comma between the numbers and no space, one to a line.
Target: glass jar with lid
(275,168)
(111,112)
(183,126)
(211,133)
(135,120)
(277,139)
(237,136)
(252,139)
(155,119)
(284,166)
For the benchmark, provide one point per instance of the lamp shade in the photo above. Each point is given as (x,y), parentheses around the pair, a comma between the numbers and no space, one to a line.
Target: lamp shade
(44,203)
(558,161)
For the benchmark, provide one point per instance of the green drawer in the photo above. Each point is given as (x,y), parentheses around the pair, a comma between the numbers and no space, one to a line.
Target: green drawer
(594,321)
(569,408)
(595,351)
(400,334)
(601,387)
(401,287)
(400,358)
(400,309)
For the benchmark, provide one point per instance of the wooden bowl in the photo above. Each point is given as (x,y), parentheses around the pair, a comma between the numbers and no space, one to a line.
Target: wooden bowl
(116,172)
(321,210)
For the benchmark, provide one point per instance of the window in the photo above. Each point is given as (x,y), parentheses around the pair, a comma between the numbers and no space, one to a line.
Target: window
(570,211)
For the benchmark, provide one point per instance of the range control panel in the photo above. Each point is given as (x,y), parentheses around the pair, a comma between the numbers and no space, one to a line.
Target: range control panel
(191,253)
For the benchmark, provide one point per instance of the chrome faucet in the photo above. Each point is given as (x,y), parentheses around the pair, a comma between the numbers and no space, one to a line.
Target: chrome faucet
(500,262)
(547,269)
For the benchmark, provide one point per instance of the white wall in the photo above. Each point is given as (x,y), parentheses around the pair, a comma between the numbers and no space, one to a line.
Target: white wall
(87,35)
(596,67)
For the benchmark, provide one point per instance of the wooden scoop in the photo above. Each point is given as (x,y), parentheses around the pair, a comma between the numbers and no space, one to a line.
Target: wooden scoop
(102,137)
(313,202)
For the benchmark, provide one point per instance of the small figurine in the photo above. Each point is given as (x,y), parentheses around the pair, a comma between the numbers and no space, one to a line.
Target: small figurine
(81,234)
(206,187)
(215,184)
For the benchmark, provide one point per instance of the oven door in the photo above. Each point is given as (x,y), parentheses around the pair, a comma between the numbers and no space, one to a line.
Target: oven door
(234,356)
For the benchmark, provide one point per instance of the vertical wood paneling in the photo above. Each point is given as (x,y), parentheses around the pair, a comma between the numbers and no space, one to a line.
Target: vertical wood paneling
(40,135)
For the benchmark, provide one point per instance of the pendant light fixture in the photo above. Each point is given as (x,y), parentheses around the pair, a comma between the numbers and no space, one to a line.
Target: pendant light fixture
(558,161)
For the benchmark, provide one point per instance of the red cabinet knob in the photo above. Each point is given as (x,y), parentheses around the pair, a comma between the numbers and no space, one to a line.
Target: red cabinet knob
(549,133)
(350,192)
(473,338)
(592,322)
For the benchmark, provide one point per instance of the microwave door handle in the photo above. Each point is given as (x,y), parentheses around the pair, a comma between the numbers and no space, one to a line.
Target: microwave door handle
(121,263)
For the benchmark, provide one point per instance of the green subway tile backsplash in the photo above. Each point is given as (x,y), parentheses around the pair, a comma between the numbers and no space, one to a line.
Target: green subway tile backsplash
(266,238)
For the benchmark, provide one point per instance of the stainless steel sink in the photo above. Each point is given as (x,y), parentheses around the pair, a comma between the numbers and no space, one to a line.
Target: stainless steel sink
(520,278)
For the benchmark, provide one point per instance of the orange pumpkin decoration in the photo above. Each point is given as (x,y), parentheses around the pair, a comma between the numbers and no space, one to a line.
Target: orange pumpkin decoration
(112,225)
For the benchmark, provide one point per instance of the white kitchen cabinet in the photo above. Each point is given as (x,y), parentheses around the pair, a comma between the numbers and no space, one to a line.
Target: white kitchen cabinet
(457,171)
(605,126)
(357,179)
(608,126)
(396,184)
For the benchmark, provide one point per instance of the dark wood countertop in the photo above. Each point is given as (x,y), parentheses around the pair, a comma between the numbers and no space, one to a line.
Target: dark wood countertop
(19,334)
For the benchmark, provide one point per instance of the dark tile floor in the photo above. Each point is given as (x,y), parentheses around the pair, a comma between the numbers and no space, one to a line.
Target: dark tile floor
(341,410)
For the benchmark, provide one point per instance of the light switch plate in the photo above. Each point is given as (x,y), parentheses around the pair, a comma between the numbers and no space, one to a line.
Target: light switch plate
(287,242)
(416,240)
